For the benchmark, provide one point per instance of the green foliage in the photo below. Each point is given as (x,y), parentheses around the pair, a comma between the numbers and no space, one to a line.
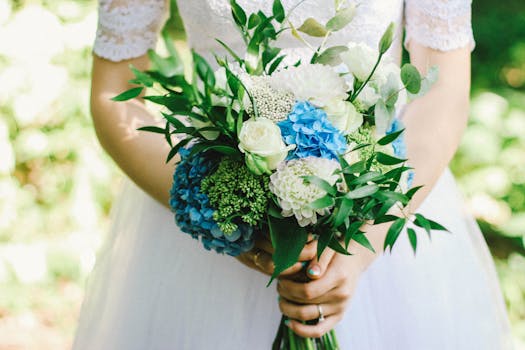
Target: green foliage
(237,193)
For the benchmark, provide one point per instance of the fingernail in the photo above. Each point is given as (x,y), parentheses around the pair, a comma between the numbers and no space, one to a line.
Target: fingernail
(314,270)
(287,323)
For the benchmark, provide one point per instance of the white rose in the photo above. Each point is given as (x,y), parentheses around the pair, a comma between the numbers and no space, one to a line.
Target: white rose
(344,116)
(262,137)
(360,60)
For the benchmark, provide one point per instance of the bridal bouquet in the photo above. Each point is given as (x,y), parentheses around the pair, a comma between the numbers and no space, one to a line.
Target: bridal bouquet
(289,148)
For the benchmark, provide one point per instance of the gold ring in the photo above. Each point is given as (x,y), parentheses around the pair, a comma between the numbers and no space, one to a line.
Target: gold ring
(256,258)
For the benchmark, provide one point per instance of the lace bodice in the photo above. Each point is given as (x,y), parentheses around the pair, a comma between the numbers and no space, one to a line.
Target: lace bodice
(128,28)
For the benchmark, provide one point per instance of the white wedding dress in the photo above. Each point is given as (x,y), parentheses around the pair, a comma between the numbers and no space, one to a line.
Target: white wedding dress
(155,288)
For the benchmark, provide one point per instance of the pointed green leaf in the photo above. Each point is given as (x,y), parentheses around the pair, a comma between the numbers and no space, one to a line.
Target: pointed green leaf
(393,233)
(322,184)
(288,240)
(128,95)
(343,211)
(411,192)
(275,64)
(385,140)
(367,177)
(362,192)
(422,222)
(341,19)
(324,240)
(323,202)
(278,11)
(436,226)
(231,52)
(335,245)
(312,28)
(154,129)
(355,168)
(385,218)
(413,238)
(386,159)
(363,240)
(238,13)
(253,21)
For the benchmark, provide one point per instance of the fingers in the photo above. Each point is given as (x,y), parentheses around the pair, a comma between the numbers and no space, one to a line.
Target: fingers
(317,330)
(306,293)
(309,251)
(317,268)
(308,312)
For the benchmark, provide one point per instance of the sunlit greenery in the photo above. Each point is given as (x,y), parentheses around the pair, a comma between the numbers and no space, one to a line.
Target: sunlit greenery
(57,186)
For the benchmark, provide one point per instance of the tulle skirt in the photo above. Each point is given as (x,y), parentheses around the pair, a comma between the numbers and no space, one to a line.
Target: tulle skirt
(155,288)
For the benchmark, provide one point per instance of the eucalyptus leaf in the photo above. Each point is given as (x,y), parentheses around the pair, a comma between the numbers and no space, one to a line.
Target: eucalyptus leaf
(331,56)
(342,18)
(313,28)
(411,78)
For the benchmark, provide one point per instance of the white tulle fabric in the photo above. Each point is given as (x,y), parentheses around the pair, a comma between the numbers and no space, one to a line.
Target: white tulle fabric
(155,288)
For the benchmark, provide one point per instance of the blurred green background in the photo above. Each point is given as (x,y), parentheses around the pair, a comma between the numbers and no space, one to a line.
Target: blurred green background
(57,186)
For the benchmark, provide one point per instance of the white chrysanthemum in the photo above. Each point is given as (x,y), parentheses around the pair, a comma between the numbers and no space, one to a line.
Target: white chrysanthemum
(294,194)
(316,83)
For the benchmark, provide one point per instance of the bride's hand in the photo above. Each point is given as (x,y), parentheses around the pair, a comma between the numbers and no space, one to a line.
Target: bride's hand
(260,257)
(331,291)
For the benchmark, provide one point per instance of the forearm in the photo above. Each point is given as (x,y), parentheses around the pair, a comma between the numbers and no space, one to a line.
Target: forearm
(434,125)
(139,154)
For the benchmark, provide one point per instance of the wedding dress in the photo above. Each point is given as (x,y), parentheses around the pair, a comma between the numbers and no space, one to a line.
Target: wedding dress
(154,288)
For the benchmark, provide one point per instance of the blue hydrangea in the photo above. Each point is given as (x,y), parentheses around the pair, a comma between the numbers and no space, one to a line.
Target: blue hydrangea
(309,129)
(193,213)
(400,147)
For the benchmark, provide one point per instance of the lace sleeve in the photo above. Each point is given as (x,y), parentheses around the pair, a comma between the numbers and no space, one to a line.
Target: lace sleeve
(439,24)
(128,28)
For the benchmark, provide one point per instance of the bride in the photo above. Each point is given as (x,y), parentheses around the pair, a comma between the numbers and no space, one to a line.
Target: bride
(155,288)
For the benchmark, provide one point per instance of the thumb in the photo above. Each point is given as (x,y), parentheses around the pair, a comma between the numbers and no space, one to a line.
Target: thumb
(317,268)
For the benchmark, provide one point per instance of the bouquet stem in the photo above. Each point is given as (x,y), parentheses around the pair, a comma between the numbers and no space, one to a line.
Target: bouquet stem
(286,339)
